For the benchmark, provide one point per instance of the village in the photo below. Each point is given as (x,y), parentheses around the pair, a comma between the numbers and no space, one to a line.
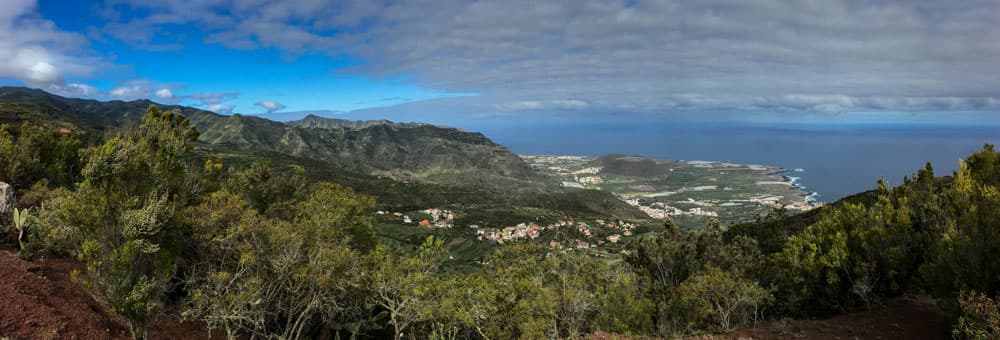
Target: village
(564,234)
(532,230)
(689,191)
(431,218)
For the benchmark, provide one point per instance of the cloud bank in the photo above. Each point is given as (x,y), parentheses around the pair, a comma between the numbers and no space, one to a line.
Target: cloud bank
(34,51)
(783,55)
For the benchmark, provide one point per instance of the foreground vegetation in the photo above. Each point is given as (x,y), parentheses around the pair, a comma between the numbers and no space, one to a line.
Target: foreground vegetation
(254,250)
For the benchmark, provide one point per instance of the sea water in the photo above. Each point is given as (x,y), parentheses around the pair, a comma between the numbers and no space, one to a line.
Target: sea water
(832,161)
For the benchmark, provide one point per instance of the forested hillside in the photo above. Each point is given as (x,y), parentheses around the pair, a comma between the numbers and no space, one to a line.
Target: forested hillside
(254,250)
(417,152)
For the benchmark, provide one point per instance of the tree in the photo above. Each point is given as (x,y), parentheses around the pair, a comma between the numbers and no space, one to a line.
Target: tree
(725,299)
(964,256)
(622,307)
(404,285)
(852,253)
(32,153)
(668,258)
(574,276)
(225,287)
(331,203)
(264,276)
(467,303)
(132,186)
(271,192)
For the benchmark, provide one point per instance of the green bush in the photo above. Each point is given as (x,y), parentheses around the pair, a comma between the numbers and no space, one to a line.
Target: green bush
(57,230)
(125,210)
(721,300)
(269,277)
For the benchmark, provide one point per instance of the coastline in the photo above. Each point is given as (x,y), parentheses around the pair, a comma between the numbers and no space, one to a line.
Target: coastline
(794,181)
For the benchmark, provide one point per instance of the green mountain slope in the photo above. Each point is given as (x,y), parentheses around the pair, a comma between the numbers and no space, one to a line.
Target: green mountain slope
(401,151)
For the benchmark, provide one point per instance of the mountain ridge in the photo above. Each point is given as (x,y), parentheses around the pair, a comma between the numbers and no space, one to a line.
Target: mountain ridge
(403,151)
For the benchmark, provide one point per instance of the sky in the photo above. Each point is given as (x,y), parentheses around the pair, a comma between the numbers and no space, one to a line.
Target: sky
(451,62)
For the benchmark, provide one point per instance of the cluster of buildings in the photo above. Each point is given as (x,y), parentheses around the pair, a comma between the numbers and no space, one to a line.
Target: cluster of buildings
(586,234)
(511,233)
(589,179)
(440,213)
(578,244)
(662,210)
(588,171)
(588,175)
(521,231)
(438,218)
(556,164)
(625,227)
(775,202)
(572,244)
(584,229)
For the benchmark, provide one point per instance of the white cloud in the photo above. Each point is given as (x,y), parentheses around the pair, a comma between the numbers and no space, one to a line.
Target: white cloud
(220,108)
(43,73)
(556,104)
(147,89)
(165,94)
(213,101)
(83,90)
(130,92)
(34,51)
(270,106)
(651,56)
(211,98)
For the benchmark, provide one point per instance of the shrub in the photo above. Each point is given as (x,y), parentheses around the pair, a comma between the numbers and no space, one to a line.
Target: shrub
(722,300)
(125,208)
(267,277)
(980,317)
(56,231)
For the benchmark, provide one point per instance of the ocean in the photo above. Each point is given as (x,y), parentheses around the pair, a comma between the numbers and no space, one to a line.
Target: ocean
(832,160)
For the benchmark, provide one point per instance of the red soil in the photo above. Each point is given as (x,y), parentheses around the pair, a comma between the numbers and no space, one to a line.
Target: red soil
(38,300)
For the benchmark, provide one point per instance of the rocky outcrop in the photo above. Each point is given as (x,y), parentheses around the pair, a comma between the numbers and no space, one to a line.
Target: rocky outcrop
(6,205)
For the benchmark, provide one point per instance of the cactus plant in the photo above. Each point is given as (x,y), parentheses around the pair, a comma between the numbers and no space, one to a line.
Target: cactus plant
(21,223)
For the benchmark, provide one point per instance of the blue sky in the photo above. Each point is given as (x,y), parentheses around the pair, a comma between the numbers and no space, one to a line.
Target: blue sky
(513,61)
(189,66)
